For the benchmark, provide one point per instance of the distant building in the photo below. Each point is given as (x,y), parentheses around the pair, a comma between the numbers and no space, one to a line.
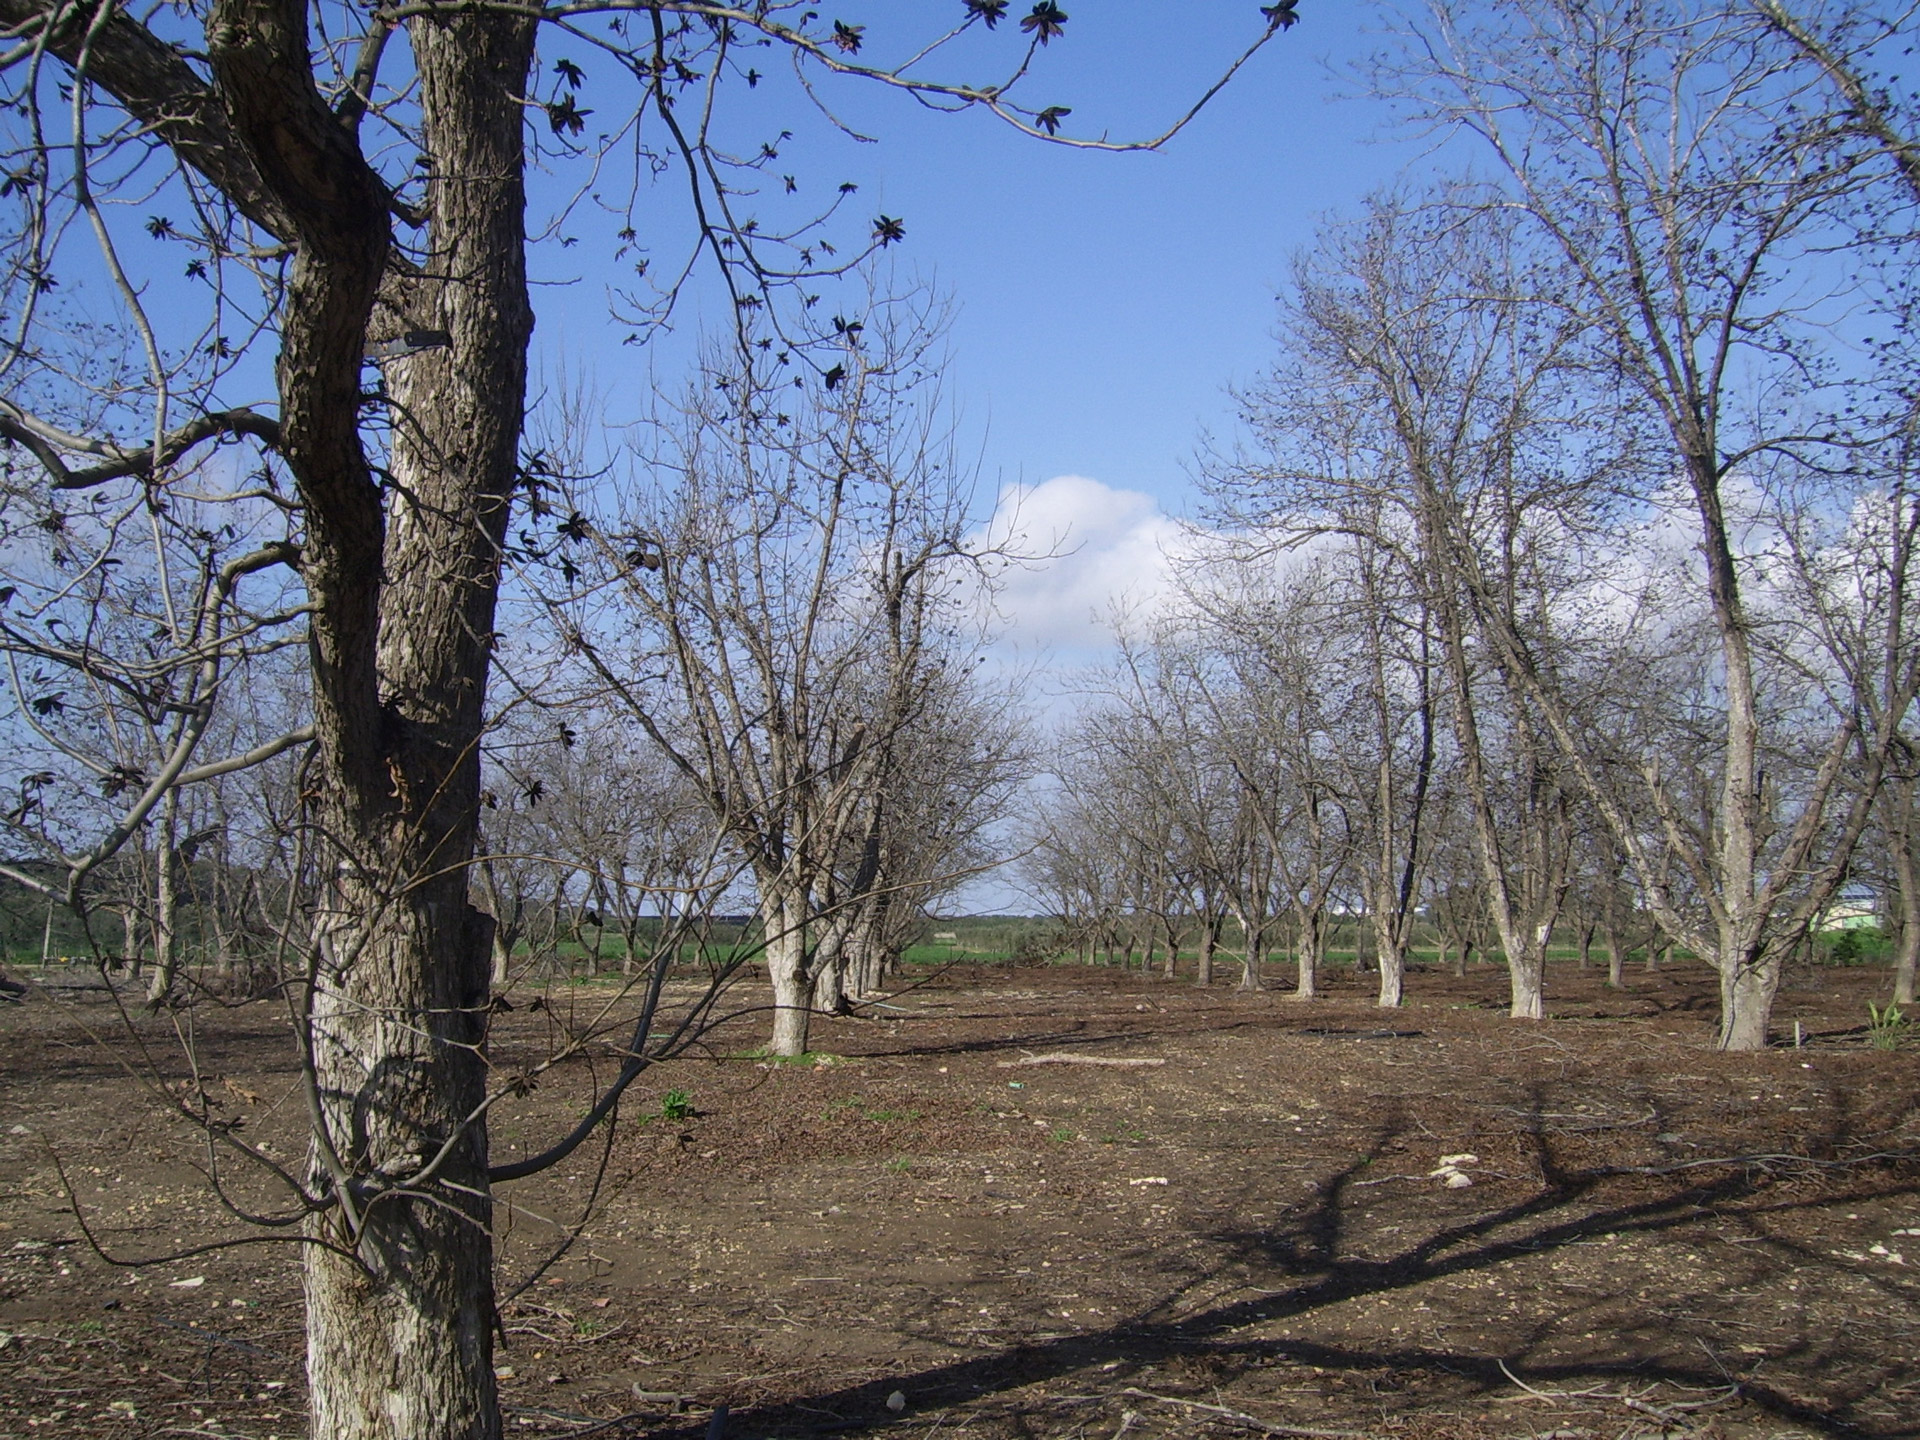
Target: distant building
(1854,908)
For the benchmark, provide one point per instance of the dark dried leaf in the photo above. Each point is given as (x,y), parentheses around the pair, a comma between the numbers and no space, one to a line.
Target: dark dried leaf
(1046,21)
(566,117)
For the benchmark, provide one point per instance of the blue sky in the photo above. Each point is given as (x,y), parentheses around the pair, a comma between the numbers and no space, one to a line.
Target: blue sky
(1106,301)
(1103,302)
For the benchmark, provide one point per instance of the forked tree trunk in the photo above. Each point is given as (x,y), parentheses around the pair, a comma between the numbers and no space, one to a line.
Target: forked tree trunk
(403,581)
(1250,970)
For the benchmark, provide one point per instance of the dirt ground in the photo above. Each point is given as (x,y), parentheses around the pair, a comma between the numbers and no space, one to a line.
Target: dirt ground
(1263,1234)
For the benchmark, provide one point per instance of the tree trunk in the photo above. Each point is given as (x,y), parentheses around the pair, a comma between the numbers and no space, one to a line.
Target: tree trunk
(1209,942)
(1393,970)
(1907,887)
(166,907)
(1249,951)
(1616,958)
(1311,939)
(130,938)
(400,1329)
(1746,1004)
(829,968)
(1905,963)
(1528,981)
(506,927)
(792,986)
(403,579)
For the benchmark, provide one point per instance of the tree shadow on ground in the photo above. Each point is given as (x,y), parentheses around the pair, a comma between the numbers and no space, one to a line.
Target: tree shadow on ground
(1302,1251)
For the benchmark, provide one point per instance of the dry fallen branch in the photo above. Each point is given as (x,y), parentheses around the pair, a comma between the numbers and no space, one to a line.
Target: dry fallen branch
(1252,1422)
(1064,1058)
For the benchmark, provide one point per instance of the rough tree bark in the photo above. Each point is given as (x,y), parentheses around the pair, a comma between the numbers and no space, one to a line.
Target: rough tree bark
(400,1295)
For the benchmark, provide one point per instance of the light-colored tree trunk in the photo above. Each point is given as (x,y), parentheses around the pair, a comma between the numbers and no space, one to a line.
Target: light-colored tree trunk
(1527,961)
(1310,948)
(1389,946)
(130,937)
(1906,874)
(1746,1004)
(166,906)
(400,1310)
(786,955)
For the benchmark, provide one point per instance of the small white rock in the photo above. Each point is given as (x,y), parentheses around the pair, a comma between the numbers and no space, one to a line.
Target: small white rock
(897,1401)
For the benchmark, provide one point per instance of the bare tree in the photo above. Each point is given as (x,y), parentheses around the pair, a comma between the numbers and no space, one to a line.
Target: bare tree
(1416,389)
(1645,145)
(795,580)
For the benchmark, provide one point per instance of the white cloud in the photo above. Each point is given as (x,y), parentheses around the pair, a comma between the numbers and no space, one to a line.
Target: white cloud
(1096,548)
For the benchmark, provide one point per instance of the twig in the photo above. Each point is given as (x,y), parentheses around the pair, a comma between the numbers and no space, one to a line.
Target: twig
(602,1425)
(1251,1421)
(1664,1416)
(219,1339)
(1063,1058)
